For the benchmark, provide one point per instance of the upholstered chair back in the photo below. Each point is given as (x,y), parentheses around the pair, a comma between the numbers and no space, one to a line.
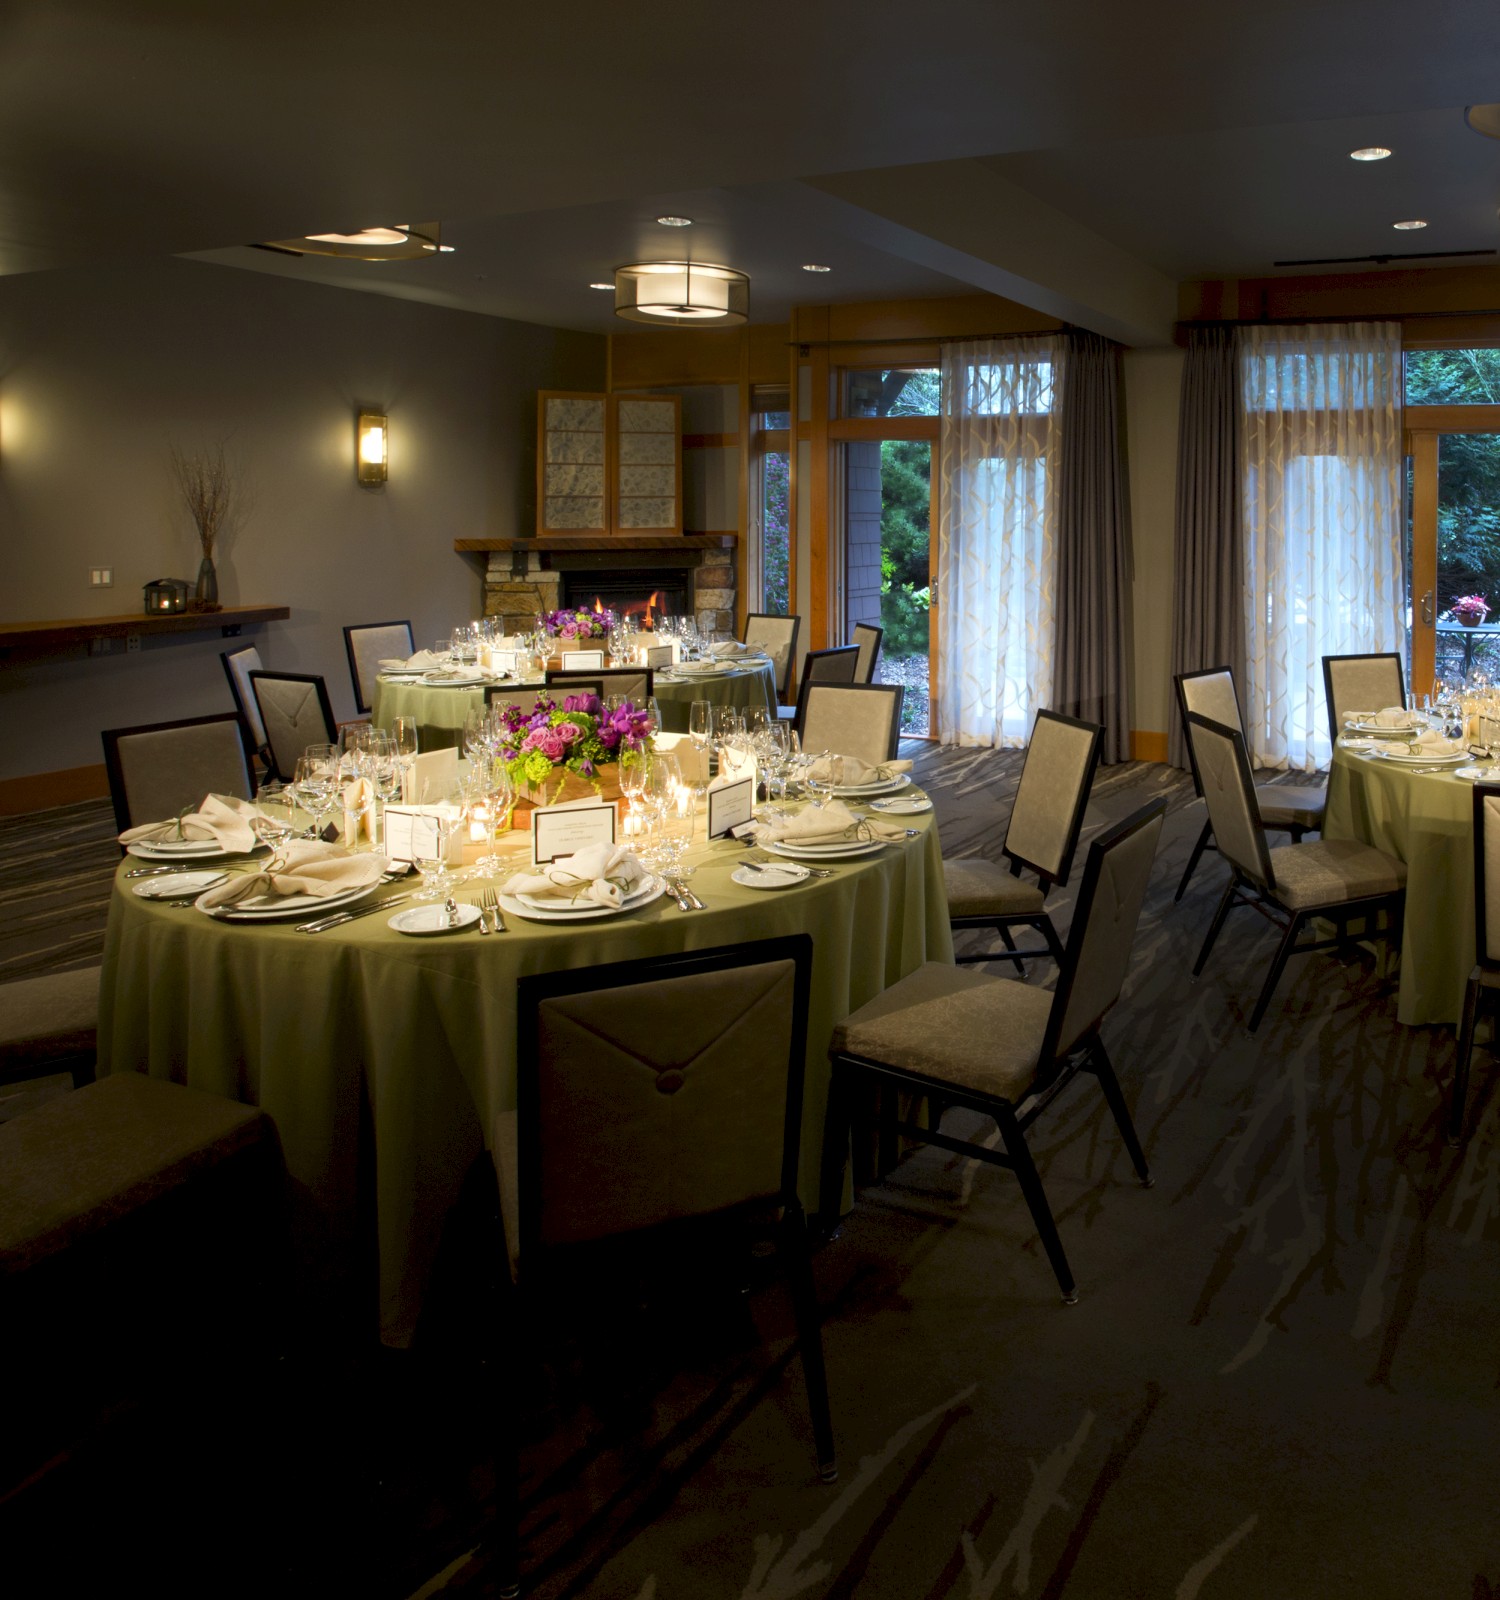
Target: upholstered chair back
(157,771)
(1115,877)
(238,665)
(867,637)
(296,712)
(1361,683)
(498,695)
(1229,793)
(635,683)
(777,636)
(1487,891)
(368,645)
(652,1101)
(853,719)
(1052,795)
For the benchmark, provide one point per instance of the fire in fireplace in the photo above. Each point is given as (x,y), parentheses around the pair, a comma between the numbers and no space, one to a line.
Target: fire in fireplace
(644,595)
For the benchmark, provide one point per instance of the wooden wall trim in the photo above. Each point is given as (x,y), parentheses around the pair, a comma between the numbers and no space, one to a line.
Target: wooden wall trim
(1436,305)
(1147,746)
(45,789)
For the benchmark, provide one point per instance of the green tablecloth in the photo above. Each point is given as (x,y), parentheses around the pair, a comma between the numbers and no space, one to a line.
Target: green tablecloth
(440,712)
(1426,820)
(414,1038)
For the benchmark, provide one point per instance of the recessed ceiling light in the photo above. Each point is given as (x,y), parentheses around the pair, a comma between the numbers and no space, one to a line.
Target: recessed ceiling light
(608,286)
(1409,226)
(675,222)
(1369,152)
(812,266)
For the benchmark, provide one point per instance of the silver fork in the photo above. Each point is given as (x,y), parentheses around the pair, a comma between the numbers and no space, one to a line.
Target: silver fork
(489,906)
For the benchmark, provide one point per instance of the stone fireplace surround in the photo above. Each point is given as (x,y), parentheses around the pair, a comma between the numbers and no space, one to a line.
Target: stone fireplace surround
(524,576)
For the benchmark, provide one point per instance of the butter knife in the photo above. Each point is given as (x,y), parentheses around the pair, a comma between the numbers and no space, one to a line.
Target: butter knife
(325,923)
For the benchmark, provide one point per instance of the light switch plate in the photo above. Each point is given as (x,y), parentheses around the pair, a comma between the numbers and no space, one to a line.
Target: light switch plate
(101,577)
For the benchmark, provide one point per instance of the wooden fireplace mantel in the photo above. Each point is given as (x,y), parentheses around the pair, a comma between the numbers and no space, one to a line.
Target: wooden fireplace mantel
(563,543)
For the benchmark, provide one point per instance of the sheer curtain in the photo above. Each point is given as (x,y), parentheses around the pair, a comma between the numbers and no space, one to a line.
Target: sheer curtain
(1320,460)
(997,534)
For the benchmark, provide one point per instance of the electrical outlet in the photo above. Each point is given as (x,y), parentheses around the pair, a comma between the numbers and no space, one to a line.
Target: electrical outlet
(101,577)
(132,642)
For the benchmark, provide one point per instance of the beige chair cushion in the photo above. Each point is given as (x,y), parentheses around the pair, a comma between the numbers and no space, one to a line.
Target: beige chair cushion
(962,1027)
(980,888)
(81,1162)
(1331,871)
(1287,803)
(48,1018)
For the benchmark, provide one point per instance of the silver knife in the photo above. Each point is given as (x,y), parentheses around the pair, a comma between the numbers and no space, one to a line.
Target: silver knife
(325,923)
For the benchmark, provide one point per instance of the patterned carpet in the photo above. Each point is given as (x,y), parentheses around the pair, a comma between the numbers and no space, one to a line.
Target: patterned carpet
(56,868)
(1280,1380)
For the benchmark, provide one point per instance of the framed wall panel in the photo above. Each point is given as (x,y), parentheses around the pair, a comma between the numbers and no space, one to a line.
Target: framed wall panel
(647,450)
(573,463)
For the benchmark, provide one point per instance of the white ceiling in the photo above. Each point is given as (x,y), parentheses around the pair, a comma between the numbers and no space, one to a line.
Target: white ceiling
(1079,156)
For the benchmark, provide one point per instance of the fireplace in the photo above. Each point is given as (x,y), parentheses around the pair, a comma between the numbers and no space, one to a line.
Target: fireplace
(642,593)
(689,573)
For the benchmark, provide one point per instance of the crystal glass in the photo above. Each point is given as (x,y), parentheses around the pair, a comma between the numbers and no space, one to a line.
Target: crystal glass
(317,783)
(429,842)
(274,826)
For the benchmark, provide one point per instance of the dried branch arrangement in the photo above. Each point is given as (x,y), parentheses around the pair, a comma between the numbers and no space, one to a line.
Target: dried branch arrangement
(206,480)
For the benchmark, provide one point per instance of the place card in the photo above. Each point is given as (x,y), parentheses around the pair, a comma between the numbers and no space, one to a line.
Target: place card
(409,827)
(564,830)
(730,805)
(692,762)
(656,655)
(582,660)
(503,660)
(429,776)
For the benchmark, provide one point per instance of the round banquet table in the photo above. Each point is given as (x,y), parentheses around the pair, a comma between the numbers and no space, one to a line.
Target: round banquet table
(1425,819)
(439,711)
(413,1039)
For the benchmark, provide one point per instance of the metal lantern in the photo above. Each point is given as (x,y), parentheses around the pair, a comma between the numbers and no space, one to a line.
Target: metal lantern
(165,597)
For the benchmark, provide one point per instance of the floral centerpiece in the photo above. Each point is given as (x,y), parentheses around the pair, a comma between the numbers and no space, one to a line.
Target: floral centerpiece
(541,749)
(1471,609)
(579,623)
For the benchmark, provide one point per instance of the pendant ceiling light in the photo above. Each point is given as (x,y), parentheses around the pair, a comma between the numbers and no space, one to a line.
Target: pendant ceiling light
(1484,119)
(403,241)
(683,294)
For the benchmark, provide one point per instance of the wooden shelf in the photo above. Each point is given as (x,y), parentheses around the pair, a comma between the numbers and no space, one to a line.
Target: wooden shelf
(561,542)
(79,630)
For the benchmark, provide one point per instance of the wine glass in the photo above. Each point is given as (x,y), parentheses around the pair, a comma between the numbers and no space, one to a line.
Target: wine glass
(491,797)
(430,833)
(274,826)
(317,783)
(404,738)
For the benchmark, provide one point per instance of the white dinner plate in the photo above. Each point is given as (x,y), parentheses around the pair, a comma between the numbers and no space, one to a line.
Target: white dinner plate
(828,852)
(181,850)
(282,907)
(902,808)
(1347,743)
(1380,730)
(636,897)
(1423,758)
(881,786)
(768,877)
(536,913)
(433,919)
(461,680)
(177,885)
(702,669)
(1474,774)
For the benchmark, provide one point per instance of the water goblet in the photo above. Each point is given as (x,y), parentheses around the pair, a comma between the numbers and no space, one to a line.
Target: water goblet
(430,834)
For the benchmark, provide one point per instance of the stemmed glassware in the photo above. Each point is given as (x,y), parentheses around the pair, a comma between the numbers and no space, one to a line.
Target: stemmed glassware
(404,738)
(274,826)
(317,783)
(429,843)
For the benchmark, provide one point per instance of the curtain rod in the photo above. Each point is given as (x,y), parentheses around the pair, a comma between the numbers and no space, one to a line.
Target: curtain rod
(931,338)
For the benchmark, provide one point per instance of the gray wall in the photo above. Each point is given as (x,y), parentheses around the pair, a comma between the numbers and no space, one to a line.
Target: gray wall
(101,371)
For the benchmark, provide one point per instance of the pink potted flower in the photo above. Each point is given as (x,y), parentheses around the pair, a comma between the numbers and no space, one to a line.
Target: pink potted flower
(1470,609)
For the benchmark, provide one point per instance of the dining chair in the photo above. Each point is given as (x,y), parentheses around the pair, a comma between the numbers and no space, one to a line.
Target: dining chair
(868,638)
(1361,683)
(367,645)
(821,666)
(1000,1047)
(853,719)
(296,711)
(635,683)
(1041,837)
(161,768)
(625,1130)
(238,665)
(1484,980)
(1296,809)
(49,1023)
(777,636)
(1333,880)
(499,694)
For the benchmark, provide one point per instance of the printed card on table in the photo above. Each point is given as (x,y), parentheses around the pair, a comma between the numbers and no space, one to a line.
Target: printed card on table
(502,660)
(729,805)
(409,828)
(565,830)
(656,655)
(582,660)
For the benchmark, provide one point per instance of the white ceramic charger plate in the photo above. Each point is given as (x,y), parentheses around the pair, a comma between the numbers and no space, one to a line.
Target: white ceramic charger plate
(828,852)
(1423,758)
(534,910)
(852,791)
(185,850)
(285,907)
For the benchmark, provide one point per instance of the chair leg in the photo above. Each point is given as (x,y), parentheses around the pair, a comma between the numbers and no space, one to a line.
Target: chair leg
(1049,933)
(1103,1070)
(794,1255)
(1460,1089)
(1214,926)
(1194,858)
(1010,944)
(836,1131)
(1273,977)
(1036,1201)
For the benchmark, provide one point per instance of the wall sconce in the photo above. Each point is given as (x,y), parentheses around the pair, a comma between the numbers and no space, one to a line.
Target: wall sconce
(370,433)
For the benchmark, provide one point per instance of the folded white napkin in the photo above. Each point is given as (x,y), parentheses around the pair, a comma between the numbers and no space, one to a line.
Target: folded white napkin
(604,874)
(221,817)
(1431,743)
(857,771)
(308,867)
(1390,717)
(828,824)
(728,648)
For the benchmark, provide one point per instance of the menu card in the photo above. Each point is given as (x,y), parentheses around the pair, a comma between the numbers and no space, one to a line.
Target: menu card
(564,830)
(729,805)
(656,655)
(406,828)
(581,660)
